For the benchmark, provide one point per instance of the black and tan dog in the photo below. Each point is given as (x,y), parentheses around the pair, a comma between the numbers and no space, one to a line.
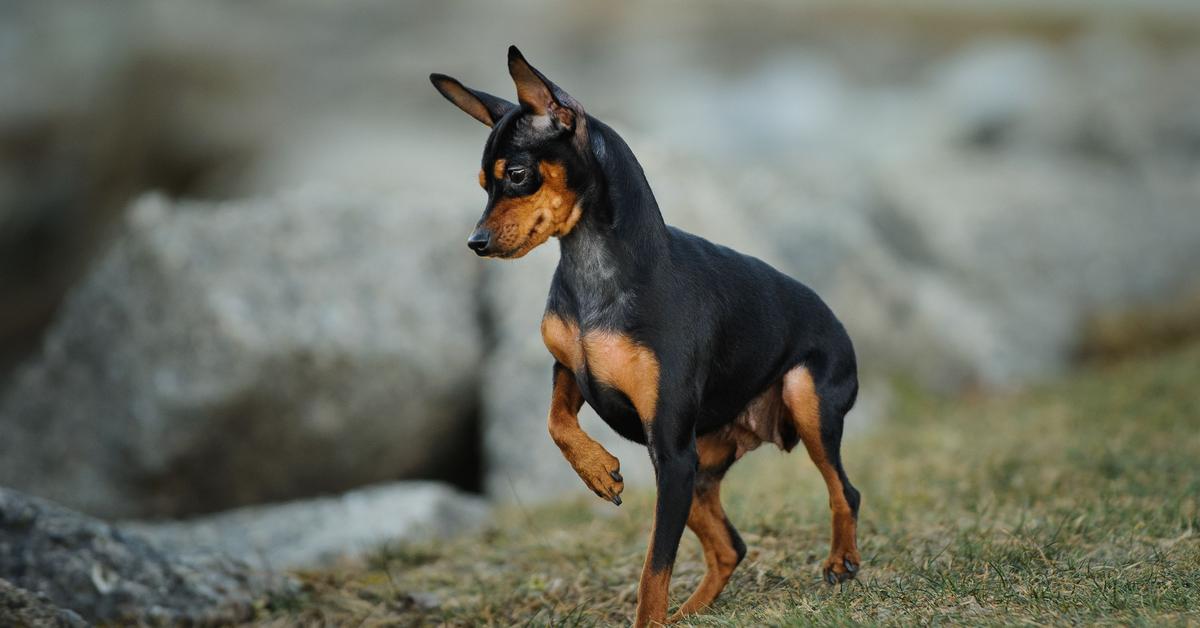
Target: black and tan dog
(690,348)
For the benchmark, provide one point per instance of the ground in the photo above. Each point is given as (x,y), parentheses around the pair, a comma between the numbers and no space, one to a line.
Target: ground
(1078,502)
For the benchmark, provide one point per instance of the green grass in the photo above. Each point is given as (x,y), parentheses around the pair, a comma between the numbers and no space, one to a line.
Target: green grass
(1078,502)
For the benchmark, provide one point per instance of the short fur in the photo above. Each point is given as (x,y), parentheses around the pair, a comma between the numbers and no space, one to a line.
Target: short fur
(697,351)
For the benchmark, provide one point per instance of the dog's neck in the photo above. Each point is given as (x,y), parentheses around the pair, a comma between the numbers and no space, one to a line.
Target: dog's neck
(620,239)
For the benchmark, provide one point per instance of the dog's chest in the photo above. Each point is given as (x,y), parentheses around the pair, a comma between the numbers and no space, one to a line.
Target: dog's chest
(605,359)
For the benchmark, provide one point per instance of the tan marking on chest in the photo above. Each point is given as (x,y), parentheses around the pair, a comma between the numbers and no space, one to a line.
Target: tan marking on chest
(562,339)
(616,360)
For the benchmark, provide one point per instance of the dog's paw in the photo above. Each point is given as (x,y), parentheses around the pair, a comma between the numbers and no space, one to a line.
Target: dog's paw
(840,566)
(601,471)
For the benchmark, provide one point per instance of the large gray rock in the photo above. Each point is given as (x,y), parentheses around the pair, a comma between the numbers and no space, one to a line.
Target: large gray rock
(71,152)
(973,219)
(227,354)
(108,576)
(966,269)
(90,118)
(987,269)
(23,609)
(316,533)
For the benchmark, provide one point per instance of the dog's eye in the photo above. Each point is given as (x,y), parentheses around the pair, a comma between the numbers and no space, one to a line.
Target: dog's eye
(517,175)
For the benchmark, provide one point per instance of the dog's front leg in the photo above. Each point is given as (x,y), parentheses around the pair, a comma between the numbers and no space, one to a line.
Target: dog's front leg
(600,470)
(672,445)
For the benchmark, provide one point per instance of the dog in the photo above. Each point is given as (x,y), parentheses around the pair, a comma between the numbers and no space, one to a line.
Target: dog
(694,350)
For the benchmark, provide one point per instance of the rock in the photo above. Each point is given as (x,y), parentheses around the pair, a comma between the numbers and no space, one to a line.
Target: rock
(108,576)
(23,609)
(319,532)
(90,118)
(221,355)
(964,269)
(998,92)
(994,261)
(1016,191)
(71,152)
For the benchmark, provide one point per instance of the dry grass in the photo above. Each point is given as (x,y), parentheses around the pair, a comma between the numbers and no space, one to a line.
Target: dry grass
(1075,503)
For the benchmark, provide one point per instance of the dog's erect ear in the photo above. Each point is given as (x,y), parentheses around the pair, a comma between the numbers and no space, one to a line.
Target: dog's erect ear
(479,105)
(536,91)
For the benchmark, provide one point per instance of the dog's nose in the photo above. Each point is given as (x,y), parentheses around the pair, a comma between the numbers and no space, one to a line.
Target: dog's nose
(479,240)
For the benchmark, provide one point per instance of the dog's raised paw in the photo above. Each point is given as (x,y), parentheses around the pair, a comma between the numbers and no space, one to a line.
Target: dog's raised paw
(601,471)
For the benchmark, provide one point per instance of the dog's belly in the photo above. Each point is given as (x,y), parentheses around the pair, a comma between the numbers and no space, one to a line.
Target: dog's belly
(613,406)
(764,420)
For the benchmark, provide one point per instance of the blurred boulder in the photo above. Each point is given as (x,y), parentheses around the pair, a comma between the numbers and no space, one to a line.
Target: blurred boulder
(964,269)
(19,607)
(97,105)
(981,213)
(999,92)
(320,532)
(227,354)
(72,151)
(110,577)
(1003,258)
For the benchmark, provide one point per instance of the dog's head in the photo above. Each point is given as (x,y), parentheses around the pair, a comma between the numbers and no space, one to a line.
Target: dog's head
(534,161)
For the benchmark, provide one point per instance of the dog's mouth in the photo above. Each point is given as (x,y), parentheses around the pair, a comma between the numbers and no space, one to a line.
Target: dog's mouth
(536,235)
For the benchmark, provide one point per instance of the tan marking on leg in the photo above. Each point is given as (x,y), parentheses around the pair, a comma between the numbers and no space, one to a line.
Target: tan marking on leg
(561,337)
(715,450)
(707,520)
(654,591)
(598,469)
(616,360)
(800,397)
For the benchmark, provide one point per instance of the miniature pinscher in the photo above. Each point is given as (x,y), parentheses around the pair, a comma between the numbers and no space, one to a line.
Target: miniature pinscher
(690,348)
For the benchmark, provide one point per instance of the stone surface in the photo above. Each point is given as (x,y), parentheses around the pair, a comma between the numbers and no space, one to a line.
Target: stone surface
(21,609)
(227,354)
(71,154)
(108,576)
(319,532)
(994,265)
(89,119)
(961,197)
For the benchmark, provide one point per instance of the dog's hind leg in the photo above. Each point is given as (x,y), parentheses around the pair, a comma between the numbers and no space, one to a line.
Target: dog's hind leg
(819,423)
(723,548)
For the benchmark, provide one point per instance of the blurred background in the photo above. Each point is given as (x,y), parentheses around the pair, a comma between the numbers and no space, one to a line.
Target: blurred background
(233,268)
